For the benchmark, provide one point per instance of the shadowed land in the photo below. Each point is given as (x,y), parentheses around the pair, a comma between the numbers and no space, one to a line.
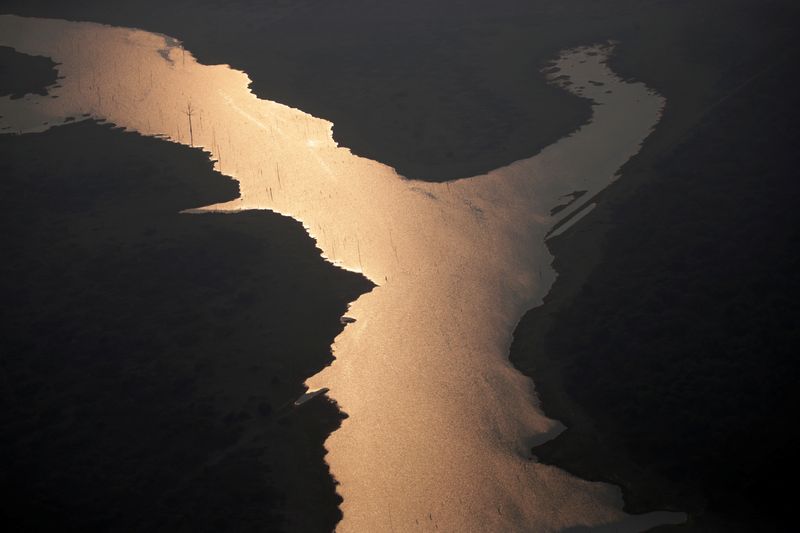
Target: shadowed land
(486,233)
(22,74)
(691,52)
(673,362)
(150,358)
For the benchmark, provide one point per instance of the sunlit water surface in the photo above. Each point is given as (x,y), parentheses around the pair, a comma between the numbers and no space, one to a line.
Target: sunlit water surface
(440,424)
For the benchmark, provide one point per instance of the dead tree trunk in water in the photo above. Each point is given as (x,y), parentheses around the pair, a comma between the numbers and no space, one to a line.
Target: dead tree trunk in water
(189,113)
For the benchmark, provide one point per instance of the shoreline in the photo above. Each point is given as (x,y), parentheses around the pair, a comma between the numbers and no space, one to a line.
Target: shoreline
(515,198)
(588,447)
(577,252)
(145,338)
(583,258)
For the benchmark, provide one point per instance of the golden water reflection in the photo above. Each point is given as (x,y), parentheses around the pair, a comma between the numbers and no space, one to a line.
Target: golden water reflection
(440,424)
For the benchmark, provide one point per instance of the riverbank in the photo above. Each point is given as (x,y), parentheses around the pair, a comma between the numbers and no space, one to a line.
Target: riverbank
(420,64)
(665,345)
(151,358)
(383,214)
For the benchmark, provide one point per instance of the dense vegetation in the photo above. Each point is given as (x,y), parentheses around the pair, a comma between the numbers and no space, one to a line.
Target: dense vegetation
(150,358)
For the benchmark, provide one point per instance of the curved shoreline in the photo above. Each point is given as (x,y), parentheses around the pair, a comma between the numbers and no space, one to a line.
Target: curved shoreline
(482,222)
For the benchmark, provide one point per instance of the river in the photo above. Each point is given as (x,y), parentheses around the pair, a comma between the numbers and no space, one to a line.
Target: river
(440,425)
